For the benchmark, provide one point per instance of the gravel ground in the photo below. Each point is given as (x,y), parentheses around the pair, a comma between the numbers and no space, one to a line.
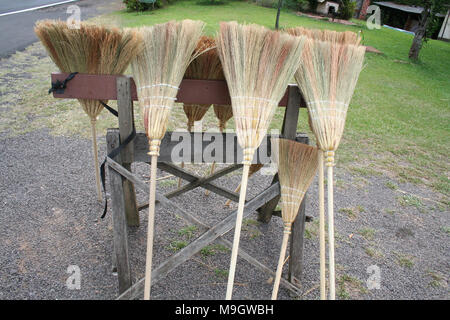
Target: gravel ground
(50,218)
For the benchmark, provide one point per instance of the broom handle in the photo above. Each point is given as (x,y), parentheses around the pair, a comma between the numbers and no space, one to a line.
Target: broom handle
(323,294)
(276,285)
(179,179)
(95,153)
(227,203)
(237,231)
(213,168)
(150,228)
(331,233)
(189,128)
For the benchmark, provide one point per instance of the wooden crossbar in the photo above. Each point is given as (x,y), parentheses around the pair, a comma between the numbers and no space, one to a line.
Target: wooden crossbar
(104,87)
(194,181)
(201,181)
(198,182)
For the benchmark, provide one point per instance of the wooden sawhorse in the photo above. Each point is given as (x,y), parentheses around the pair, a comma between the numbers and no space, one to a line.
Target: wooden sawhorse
(123,181)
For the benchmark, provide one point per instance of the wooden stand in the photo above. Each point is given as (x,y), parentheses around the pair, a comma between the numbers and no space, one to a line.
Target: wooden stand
(123,181)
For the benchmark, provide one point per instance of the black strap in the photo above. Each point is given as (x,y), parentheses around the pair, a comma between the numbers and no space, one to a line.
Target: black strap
(60,86)
(115,152)
(113,111)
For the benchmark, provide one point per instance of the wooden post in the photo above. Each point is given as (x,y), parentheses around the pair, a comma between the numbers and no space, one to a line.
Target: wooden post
(120,233)
(126,124)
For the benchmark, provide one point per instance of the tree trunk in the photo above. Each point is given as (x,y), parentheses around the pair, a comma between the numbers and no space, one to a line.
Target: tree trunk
(280,4)
(420,34)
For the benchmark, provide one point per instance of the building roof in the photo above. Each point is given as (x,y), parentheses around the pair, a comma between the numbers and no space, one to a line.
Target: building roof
(403,7)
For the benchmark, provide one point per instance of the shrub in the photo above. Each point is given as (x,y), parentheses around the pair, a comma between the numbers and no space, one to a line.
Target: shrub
(297,5)
(267,3)
(346,9)
(135,5)
(312,5)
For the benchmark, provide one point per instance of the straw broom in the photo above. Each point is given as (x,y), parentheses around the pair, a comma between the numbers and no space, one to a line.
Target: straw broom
(347,37)
(90,49)
(297,166)
(258,65)
(206,66)
(158,71)
(327,78)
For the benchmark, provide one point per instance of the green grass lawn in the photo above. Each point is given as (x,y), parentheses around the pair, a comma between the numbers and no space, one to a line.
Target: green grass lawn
(398,121)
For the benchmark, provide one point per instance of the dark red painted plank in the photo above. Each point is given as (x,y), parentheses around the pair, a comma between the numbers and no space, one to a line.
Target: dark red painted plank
(103,87)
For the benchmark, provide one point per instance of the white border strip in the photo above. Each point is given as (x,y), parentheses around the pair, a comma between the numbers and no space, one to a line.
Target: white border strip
(36,8)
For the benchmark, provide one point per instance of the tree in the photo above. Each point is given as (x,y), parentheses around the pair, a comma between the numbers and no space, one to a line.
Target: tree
(428,22)
(277,21)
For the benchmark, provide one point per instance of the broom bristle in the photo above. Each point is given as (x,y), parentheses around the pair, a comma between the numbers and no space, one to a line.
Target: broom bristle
(223,114)
(327,78)
(346,37)
(206,66)
(258,64)
(91,49)
(159,69)
(297,166)
(194,112)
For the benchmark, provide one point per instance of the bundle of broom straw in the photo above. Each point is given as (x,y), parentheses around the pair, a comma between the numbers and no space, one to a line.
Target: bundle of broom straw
(258,65)
(345,38)
(327,78)
(90,49)
(223,114)
(297,166)
(206,66)
(158,71)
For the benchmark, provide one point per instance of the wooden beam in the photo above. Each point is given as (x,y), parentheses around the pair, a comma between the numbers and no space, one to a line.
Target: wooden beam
(200,181)
(103,87)
(179,172)
(126,125)
(120,233)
